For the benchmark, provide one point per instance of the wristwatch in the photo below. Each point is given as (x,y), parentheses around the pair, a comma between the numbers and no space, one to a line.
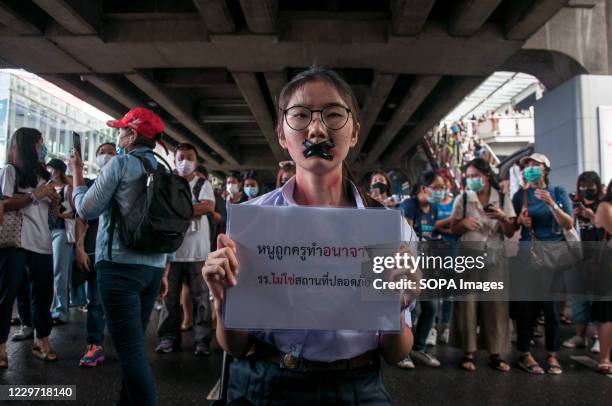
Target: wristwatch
(556,207)
(32,196)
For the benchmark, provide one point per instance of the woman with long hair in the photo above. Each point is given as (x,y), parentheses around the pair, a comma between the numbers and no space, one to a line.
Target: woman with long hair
(589,192)
(25,187)
(316,107)
(601,311)
(485,215)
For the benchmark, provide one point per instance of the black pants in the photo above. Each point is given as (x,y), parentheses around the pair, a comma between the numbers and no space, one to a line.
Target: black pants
(526,317)
(170,316)
(14,264)
(23,301)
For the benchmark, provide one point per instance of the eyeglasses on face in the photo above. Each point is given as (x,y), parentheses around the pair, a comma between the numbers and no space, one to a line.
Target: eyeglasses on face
(334,117)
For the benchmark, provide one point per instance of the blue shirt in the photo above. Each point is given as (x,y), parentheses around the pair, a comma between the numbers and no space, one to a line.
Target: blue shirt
(544,224)
(324,346)
(424,223)
(122,180)
(444,211)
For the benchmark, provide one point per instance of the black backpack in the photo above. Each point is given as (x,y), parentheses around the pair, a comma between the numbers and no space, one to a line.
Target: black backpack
(158,220)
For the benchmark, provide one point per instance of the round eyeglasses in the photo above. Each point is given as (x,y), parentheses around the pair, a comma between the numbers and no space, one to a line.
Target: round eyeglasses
(298,118)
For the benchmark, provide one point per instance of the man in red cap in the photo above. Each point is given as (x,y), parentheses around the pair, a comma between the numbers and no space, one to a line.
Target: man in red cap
(129,281)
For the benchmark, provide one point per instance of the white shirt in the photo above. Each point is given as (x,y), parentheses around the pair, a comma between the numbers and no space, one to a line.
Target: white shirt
(196,245)
(35,233)
(325,346)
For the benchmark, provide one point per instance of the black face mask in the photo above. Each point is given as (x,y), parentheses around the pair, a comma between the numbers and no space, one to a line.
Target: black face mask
(382,187)
(320,149)
(589,194)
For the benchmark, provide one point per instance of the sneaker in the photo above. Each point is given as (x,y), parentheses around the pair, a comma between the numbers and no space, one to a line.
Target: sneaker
(445,336)
(165,346)
(93,356)
(24,333)
(595,346)
(425,358)
(59,322)
(575,342)
(83,308)
(432,337)
(202,348)
(406,363)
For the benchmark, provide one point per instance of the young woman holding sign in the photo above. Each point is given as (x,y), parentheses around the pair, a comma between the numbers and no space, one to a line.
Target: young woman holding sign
(318,124)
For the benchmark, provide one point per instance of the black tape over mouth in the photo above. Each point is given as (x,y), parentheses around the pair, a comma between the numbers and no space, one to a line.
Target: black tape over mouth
(320,149)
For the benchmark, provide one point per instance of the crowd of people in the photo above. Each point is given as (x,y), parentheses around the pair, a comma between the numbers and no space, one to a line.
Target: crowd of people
(482,209)
(70,249)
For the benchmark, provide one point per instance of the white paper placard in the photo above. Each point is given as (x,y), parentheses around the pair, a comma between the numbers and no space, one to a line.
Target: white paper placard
(303,268)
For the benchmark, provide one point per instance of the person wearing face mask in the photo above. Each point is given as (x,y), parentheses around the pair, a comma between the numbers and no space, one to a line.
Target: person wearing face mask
(26,186)
(380,189)
(544,211)
(251,185)
(128,280)
(62,246)
(589,194)
(233,189)
(444,210)
(482,214)
(421,213)
(84,271)
(187,264)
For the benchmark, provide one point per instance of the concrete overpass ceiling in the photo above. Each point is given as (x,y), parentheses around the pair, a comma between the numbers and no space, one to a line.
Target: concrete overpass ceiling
(213,68)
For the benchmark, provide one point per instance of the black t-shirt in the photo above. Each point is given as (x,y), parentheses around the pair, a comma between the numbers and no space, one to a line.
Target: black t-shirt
(588,231)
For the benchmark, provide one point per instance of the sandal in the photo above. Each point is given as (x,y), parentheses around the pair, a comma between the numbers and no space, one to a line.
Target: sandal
(466,362)
(553,368)
(533,368)
(604,368)
(498,363)
(48,356)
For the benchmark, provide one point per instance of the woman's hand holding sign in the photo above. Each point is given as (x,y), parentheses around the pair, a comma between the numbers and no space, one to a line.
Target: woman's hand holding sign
(220,271)
(221,268)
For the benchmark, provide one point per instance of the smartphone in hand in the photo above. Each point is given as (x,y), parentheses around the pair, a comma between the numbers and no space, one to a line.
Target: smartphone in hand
(76,143)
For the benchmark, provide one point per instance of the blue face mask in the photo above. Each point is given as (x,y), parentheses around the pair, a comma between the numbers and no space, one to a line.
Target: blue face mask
(42,155)
(532,174)
(251,191)
(436,196)
(475,184)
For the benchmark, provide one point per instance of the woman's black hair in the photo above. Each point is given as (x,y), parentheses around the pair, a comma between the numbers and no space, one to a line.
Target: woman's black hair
(484,167)
(234,174)
(314,74)
(590,177)
(25,158)
(426,179)
(142,141)
(112,144)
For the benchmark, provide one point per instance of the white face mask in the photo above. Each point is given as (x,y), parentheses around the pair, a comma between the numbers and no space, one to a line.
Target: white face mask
(232,188)
(185,167)
(103,159)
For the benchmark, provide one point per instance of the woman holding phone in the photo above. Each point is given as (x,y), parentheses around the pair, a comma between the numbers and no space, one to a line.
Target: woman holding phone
(316,107)
(26,186)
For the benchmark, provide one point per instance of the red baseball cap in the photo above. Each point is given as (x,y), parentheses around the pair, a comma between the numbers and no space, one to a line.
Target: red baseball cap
(144,121)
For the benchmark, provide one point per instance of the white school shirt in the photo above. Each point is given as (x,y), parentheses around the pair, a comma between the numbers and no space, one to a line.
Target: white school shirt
(35,232)
(324,346)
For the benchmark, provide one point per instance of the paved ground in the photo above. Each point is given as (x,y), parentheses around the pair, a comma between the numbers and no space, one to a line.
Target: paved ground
(183,379)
